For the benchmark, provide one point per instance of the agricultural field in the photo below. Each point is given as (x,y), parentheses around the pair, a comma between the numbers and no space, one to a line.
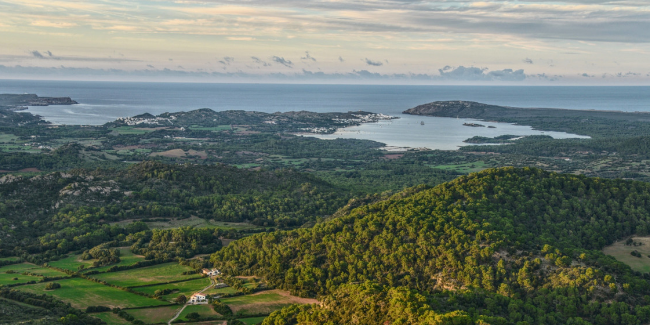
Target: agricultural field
(154,315)
(121,130)
(186,288)
(8,278)
(264,302)
(11,258)
(111,319)
(203,310)
(81,293)
(221,291)
(213,128)
(160,273)
(73,262)
(621,252)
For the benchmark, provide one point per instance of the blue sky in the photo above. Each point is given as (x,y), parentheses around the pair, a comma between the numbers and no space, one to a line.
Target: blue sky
(389,41)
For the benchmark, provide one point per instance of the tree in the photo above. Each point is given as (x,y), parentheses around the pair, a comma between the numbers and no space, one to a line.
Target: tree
(181,299)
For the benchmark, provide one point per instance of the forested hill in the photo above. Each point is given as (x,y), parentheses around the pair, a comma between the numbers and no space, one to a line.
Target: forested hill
(502,246)
(586,122)
(54,213)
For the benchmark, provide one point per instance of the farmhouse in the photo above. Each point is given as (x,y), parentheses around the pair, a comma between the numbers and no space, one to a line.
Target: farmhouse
(197,298)
(212,272)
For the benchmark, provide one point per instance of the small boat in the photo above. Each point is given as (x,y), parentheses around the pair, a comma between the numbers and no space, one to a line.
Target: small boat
(422,123)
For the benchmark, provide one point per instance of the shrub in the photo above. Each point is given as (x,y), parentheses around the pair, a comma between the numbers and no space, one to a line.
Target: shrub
(52,286)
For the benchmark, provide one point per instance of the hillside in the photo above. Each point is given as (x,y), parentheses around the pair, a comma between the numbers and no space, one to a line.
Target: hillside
(500,246)
(53,213)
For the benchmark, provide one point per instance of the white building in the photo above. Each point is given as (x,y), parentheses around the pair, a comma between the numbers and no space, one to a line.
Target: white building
(197,298)
(213,272)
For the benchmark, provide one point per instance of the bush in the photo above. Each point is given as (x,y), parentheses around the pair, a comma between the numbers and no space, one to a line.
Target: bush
(221,308)
(193,316)
(52,286)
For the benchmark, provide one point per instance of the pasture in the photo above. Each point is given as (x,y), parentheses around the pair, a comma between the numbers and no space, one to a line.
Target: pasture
(264,302)
(186,288)
(81,293)
(161,273)
(155,315)
(111,319)
(621,253)
(73,262)
(203,310)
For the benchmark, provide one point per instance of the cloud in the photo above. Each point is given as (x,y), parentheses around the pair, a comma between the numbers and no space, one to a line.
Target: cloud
(374,63)
(586,75)
(260,62)
(282,61)
(150,66)
(37,54)
(479,74)
(527,60)
(341,59)
(308,57)
(227,60)
(241,38)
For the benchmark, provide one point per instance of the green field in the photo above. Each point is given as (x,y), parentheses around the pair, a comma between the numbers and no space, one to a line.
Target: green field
(72,262)
(253,299)
(160,273)
(11,258)
(110,318)
(4,137)
(252,320)
(155,315)
(226,290)
(264,302)
(621,252)
(81,293)
(6,278)
(203,310)
(130,130)
(186,288)
(214,128)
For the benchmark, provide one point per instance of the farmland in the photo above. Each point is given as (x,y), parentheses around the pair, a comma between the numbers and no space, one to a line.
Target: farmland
(621,252)
(73,262)
(180,288)
(155,315)
(160,273)
(81,293)
(16,270)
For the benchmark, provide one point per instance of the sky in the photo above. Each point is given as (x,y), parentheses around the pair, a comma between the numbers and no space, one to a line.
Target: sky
(540,42)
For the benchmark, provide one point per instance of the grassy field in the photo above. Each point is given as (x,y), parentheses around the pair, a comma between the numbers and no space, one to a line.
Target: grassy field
(154,315)
(203,310)
(252,320)
(622,253)
(214,128)
(11,258)
(81,293)
(160,273)
(264,302)
(74,261)
(186,288)
(6,278)
(130,130)
(110,318)
(222,291)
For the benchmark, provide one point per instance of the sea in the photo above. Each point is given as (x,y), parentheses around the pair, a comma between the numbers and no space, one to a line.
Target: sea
(101,102)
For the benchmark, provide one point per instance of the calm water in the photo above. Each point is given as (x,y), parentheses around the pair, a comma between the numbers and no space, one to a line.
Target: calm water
(101,102)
